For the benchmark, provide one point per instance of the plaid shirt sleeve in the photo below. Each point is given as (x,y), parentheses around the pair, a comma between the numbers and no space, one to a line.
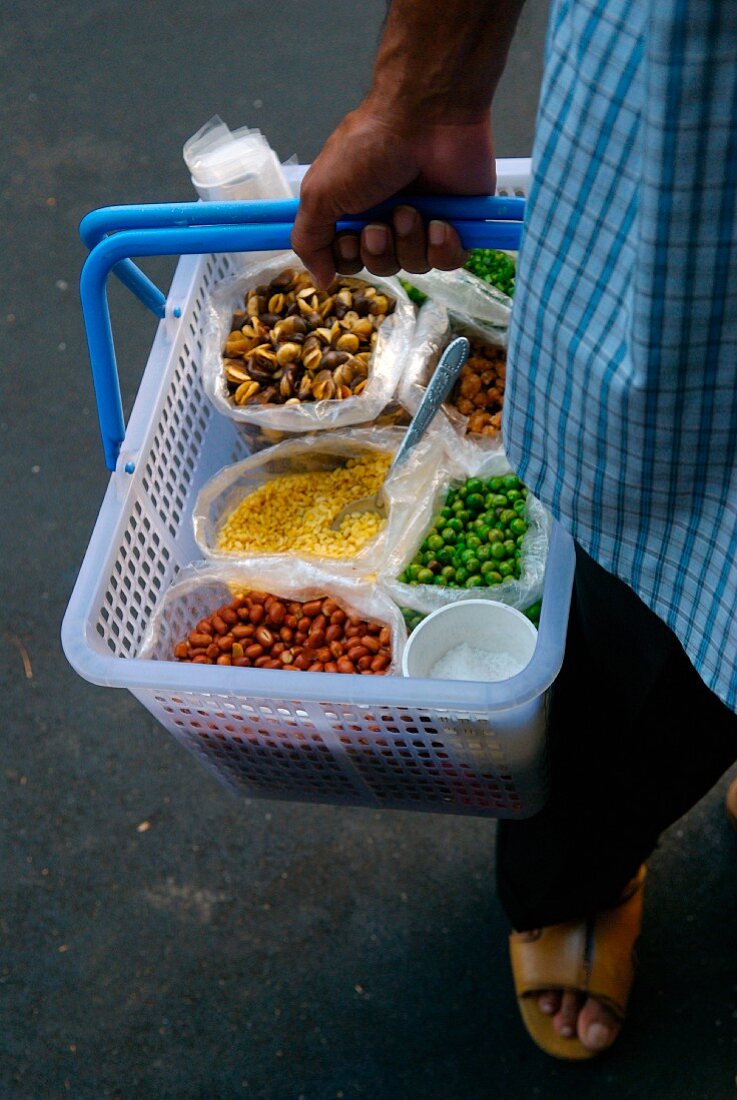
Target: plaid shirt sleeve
(621,405)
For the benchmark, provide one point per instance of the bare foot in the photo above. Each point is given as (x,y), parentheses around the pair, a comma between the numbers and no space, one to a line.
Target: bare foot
(575,1015)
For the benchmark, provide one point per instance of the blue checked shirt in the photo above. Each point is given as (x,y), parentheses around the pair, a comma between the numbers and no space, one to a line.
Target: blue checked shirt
(621,406)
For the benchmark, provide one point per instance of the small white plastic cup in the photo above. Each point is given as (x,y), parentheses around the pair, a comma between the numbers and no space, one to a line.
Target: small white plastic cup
(233,165)
(483,624)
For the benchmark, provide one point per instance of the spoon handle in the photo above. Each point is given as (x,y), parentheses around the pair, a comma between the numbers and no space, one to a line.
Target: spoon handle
(442,382)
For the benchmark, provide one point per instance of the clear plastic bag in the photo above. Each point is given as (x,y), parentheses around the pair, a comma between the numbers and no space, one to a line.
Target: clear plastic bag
(323,451)
(407,538)
(389,356)
(256,437)
(462,292)
(203,587)
(435,327)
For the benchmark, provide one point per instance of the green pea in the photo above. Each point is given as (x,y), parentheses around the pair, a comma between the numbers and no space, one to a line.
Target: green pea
(510,545)
(475,485)
(474,582)
(520,539)
(473,565)
(449,535)
(483,553)
(517,526)
(425,576)
(506,568)
(475,502)
(513,495)
(445,554)
(498,551)
(495,535)
(435,542)
(520,507)
(461,576)
(495,484)
(473,541)
(511,481)
(533,611)
(455,524)
(506,515)
(448,573)
(500,500)
(439,580)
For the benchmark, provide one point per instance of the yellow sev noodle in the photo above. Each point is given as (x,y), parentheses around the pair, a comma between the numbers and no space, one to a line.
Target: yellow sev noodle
(292,513)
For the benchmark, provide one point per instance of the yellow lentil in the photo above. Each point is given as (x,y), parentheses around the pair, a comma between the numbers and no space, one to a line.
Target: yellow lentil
(292,513)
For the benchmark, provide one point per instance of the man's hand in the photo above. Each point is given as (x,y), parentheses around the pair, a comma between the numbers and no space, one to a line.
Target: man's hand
(424,127)
(369,159)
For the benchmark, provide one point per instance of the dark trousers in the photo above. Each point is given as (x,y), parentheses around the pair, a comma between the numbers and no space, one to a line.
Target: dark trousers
(636,739)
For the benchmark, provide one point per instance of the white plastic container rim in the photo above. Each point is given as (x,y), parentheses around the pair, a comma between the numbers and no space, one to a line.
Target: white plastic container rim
(483,622)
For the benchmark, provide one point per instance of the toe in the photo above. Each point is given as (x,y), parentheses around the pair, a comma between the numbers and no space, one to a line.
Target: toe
(549,1001)
(564,1020)
(597,1026)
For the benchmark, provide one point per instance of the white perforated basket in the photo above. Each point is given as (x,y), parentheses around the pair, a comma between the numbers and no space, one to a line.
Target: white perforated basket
(442,746)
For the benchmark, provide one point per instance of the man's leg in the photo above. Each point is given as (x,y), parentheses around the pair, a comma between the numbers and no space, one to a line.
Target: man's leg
(636,739)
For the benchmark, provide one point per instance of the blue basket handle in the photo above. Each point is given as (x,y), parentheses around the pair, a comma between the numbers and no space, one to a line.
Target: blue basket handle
(170,229)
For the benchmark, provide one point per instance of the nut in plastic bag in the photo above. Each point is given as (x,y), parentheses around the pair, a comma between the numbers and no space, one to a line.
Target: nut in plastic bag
(301,360)
(203,589)
(473,410)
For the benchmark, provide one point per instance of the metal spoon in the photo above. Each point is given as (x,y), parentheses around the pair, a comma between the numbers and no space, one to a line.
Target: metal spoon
(442,382)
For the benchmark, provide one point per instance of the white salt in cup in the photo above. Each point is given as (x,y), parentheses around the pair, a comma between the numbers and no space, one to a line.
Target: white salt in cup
(483,624)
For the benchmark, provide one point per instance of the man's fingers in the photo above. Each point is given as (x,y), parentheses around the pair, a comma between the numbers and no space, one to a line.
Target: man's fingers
(444,248)
(377,249)
(314,233)
(410,239)
(347,253)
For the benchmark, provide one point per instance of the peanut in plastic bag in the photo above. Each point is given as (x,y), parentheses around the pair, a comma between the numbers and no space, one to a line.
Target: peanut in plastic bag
(387,360)
(287,511)
(203,587)
(435,327)
(519,593)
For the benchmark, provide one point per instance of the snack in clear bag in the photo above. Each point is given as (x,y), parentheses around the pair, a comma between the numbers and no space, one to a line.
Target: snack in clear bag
(299,359)
(462,292)
(430,589)
(473,409)
(284,499)
(340,626)
(257,438)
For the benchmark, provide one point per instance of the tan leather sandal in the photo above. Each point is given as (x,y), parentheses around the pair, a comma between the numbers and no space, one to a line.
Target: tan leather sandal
(593,957)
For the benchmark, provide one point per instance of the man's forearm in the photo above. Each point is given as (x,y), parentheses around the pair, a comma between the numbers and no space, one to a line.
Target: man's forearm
(424,125)
(440,60)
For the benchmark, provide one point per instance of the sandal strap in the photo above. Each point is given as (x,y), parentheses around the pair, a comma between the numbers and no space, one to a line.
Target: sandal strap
(594,957)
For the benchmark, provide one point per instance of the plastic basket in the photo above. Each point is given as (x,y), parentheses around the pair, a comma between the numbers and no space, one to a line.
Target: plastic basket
(442,746)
